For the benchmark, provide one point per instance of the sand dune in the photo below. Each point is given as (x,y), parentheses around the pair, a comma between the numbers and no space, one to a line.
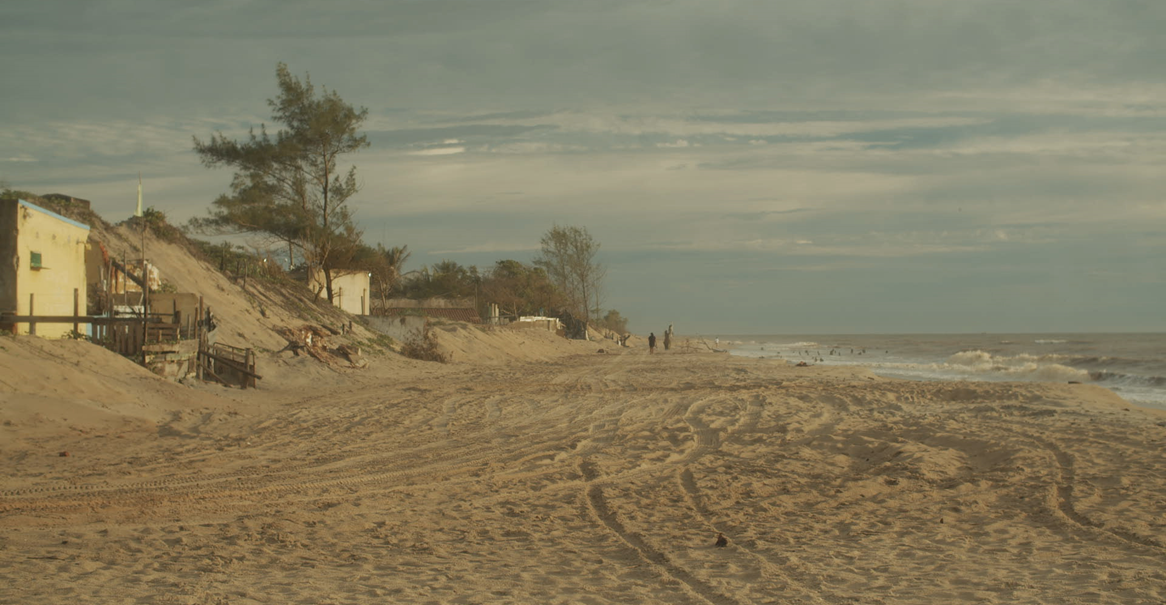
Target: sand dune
(587,478)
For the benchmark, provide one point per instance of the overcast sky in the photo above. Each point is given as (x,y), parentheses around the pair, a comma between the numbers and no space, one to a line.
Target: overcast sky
(770,166)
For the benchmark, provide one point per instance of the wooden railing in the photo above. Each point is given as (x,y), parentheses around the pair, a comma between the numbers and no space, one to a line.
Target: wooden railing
(227,365)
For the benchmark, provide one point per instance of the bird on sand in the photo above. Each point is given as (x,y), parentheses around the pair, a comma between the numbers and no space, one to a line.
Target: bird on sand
(722,541)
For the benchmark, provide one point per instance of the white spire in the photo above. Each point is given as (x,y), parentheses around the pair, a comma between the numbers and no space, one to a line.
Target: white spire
(139,212)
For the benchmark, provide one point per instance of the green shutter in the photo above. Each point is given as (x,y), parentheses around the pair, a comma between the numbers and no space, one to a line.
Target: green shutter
(35,259)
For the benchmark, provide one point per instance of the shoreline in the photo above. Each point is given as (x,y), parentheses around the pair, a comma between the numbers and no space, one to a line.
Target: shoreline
(1128,364)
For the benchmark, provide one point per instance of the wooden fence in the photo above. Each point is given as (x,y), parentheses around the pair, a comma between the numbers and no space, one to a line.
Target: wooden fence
(228,365)
(129,335)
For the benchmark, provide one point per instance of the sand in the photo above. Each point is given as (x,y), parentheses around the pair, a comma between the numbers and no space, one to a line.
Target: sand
(532,470)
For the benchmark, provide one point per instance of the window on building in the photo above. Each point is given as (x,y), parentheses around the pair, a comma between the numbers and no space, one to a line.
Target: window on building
(34,258)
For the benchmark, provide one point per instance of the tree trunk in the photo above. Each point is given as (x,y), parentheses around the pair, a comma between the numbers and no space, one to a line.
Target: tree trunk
(328,281)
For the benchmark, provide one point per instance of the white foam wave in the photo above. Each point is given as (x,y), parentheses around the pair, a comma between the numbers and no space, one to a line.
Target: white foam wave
(1050,342)
(1018,367)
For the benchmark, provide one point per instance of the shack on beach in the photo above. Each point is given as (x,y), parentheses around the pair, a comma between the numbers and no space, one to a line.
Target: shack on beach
(47,273)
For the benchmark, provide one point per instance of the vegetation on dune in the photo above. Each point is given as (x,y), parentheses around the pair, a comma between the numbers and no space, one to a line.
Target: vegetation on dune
(62,206)
(155,222)
(614,321)
(521,289)
(424,348)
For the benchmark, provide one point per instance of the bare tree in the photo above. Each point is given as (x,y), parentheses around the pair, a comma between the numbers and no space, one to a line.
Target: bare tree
(569,258)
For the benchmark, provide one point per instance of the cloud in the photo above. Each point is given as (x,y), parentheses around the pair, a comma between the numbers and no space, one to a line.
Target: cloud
(914,138)
(489,246)
(512,59)
(874,246)
(534,147)
(1067,143)
(729,125)
(438,151)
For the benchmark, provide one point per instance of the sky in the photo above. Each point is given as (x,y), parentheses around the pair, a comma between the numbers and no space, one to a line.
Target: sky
(748,167)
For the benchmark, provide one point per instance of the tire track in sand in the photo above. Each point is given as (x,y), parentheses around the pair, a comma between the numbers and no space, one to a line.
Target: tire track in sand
(747,423)
(597,507)
(1063,495)
(769,569)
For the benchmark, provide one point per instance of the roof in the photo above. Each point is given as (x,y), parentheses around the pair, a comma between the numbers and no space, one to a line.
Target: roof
(466,315)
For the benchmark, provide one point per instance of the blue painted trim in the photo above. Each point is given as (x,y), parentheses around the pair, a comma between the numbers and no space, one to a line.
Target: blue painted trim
(53,214)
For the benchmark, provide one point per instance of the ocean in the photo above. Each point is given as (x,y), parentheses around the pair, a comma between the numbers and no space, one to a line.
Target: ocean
(1131,365)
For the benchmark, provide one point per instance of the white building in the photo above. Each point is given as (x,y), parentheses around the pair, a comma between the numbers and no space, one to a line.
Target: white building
(350,289)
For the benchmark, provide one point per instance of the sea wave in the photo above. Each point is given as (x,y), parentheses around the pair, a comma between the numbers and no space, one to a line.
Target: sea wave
(1054,367)
(1018,367)
(1138,373)
(1146,364)
(1128,379)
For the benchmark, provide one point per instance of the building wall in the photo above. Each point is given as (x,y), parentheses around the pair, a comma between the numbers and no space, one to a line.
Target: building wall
(61,243)
(185,303)
(401,329)
(350,291)
(550,324)
(8,257)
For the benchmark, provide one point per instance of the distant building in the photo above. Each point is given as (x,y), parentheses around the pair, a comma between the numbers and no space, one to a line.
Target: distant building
(42,262)
(349,289)
(551,324)
(435,308)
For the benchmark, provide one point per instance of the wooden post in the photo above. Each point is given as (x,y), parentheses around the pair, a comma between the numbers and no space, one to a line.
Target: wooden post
(31,311)
(198,361)
(145,287)
(107,304)
(247,364)
(76,308)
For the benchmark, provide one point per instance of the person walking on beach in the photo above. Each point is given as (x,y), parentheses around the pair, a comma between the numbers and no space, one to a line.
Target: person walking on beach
(668,339)
(651,342)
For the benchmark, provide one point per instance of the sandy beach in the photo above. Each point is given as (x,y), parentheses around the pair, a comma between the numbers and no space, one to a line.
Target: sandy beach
(560,475)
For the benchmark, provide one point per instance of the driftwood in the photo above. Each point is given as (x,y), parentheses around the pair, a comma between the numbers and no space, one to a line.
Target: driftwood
(313,340)
(711,348)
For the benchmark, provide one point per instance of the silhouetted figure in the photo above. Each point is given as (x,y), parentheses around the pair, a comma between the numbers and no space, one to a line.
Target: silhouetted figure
(722,541)
(651,342)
